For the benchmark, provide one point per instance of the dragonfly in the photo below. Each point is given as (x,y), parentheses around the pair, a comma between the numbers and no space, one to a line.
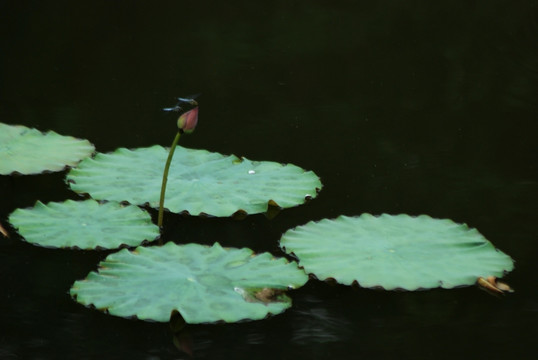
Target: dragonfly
(188,109)
(182,101)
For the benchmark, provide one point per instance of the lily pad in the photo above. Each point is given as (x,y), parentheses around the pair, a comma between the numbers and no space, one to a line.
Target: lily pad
(199,182)
(395,252)
(204,284)
(84,225)
(29,151)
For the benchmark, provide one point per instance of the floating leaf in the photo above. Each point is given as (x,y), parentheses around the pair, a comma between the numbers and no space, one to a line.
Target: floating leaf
(29,151)
(84,224)
(394,252)
(199,182)
(493,286)
(3,231)
(205,284)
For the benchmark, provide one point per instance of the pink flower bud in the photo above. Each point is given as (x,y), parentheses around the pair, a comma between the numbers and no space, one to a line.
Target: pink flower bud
(187,121)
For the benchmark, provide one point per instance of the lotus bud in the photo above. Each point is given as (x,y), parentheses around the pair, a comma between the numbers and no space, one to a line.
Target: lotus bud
(188,120)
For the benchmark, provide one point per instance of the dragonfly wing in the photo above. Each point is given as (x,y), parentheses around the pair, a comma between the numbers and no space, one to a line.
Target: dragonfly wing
(175,108)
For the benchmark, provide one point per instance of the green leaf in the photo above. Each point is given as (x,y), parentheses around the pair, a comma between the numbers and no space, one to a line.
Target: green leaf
(205,284)
(84,225)
(200,182)
(29,151)
(394,252)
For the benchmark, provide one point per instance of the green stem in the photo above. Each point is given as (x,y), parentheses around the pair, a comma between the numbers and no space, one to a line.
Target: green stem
(165,179)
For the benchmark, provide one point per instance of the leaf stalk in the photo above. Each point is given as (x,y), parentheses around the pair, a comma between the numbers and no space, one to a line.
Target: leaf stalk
(165,178)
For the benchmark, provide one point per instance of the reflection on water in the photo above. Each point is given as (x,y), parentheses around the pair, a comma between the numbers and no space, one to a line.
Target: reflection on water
(316,323)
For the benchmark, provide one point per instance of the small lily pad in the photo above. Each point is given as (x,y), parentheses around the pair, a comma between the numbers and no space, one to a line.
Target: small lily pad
(199,182)
(84,225)
(395,252)
(204,284)
(29,151)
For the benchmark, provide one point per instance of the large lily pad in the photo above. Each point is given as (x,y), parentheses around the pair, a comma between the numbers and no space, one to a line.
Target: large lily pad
(29,151)
(199,182)
(84,225)
(395,252)
(205,284)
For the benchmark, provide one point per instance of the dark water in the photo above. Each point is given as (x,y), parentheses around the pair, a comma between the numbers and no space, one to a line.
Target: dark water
(400,107)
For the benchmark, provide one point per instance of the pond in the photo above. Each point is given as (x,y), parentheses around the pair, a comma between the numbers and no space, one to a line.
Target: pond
(400,108)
